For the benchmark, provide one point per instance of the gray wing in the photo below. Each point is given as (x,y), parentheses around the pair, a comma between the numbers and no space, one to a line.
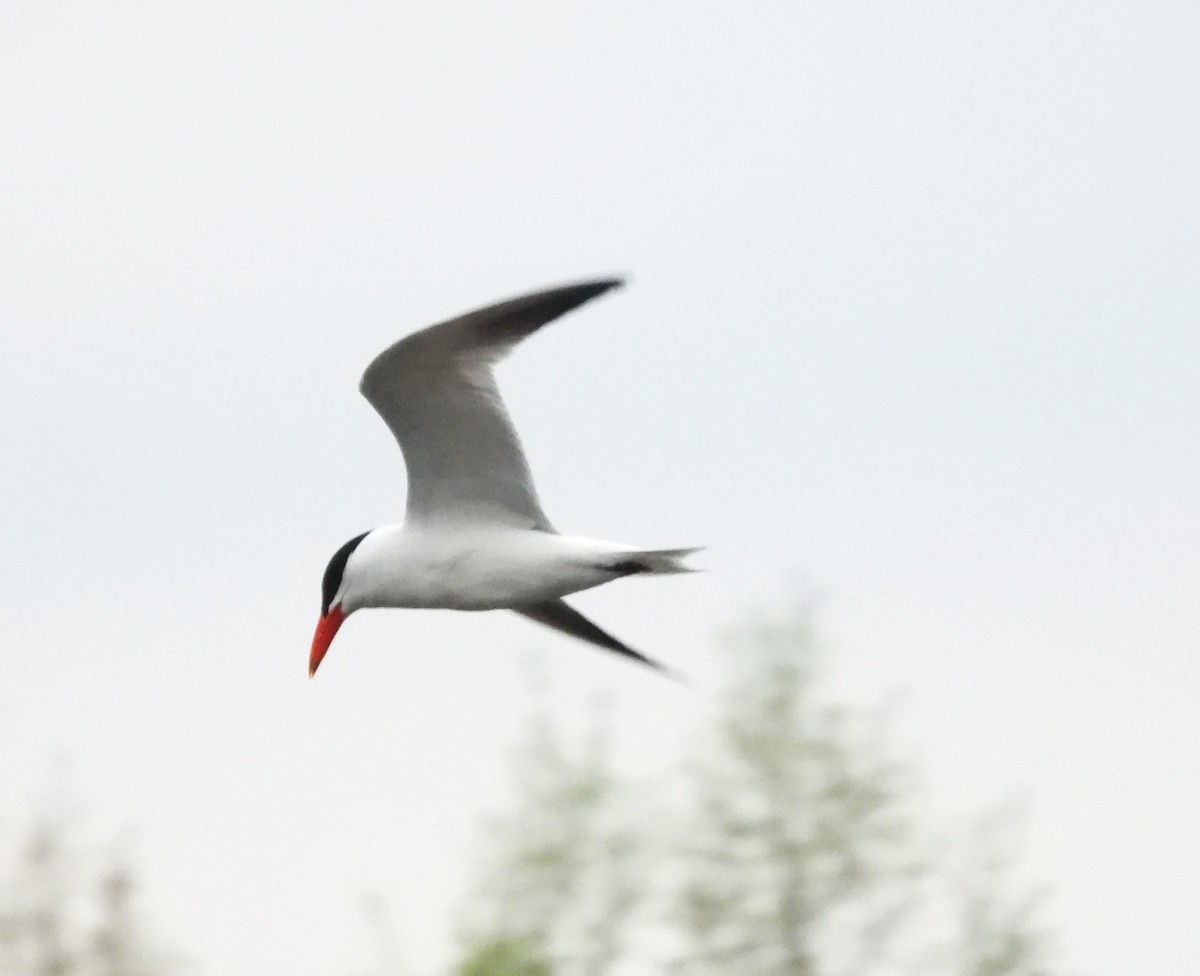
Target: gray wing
(562,617)
(436,391)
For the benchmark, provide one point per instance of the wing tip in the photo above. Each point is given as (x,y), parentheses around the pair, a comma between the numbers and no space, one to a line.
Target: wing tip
(607,284)
(673,674)
(585,291)
(554,302)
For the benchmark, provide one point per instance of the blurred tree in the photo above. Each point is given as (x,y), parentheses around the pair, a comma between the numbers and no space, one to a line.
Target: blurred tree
(566,871)
(803,861)
(505,956)
(997,931)
(798,856)
(385,945)
(52,923)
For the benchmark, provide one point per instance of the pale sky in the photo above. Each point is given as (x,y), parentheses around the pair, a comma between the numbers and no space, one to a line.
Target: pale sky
(913,315)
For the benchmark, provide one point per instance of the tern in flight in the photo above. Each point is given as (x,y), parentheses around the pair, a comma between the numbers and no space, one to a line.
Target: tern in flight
(474,535)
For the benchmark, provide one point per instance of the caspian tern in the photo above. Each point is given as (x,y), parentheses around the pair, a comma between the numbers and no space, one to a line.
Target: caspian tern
(474,535)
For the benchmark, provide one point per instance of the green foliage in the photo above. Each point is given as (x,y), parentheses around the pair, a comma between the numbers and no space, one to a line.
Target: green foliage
(797,855)
(511,956)
(998,931)
(564,877)
(801,842)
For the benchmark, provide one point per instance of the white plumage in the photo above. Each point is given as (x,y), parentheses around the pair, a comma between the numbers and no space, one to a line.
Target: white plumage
(475,536)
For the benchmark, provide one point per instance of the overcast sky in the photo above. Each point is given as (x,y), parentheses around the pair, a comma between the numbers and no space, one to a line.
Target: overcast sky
(913,317)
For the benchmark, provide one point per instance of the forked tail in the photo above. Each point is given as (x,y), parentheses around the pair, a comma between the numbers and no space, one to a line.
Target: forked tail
(654,561)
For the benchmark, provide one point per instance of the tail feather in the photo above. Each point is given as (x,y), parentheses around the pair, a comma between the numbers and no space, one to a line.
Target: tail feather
(655,561)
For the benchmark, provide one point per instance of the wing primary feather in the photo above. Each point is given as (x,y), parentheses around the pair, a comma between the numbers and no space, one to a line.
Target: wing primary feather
(436,391)
(503,323)
(562,617)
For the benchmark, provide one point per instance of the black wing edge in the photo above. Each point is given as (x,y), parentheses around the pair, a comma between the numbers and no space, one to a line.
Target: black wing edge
(518,317)
(509,320)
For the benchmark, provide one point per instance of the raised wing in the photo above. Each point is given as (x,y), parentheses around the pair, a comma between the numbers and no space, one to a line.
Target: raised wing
(436,391)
